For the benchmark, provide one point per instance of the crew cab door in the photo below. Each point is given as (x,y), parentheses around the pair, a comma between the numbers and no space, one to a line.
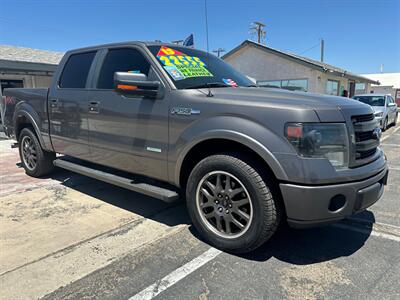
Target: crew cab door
(127,133)
(68,106)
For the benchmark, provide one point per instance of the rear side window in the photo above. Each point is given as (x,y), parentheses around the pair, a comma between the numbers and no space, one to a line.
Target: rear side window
(76,71)
(121,60)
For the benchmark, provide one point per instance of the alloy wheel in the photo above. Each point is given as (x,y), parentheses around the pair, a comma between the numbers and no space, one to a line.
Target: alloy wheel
(29,154)
(224,204)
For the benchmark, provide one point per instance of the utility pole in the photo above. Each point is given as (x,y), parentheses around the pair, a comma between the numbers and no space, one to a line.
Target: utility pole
(219,51)
(258,28)
(322,50)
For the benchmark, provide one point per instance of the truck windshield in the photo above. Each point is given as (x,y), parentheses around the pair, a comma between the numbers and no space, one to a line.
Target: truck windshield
(371,100)
(191,68)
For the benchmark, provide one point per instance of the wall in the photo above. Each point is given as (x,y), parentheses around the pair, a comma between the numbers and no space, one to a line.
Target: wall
(260,65)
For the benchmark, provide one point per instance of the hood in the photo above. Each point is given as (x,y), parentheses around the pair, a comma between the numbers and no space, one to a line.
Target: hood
(378,109)
(328,108)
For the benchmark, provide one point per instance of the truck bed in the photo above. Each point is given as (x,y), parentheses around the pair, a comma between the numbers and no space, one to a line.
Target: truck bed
(33,100)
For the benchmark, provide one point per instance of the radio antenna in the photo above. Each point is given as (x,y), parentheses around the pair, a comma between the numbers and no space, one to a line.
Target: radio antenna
(209,94)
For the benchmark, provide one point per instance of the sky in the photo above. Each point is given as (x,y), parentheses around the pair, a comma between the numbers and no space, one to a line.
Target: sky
(359,35)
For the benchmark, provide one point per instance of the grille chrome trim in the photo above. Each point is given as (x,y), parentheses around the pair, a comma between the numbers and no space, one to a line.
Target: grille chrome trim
(365,144)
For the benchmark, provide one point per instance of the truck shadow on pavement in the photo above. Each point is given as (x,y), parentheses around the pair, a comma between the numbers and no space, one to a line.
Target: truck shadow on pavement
(135,203)
(310,246)
(299,247)
(315,245)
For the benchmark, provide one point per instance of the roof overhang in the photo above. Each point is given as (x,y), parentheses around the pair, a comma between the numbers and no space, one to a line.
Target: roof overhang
(309,63)
(7,66)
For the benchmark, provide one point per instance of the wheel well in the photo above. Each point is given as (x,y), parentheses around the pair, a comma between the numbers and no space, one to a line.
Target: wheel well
(22,122)
(217,146)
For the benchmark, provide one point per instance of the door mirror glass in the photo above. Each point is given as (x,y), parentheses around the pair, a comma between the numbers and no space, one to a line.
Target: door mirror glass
(135,84)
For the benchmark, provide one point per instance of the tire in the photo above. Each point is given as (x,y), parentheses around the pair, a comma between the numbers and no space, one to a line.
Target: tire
(35,160)
(395,119)
(261,214)
(385,124)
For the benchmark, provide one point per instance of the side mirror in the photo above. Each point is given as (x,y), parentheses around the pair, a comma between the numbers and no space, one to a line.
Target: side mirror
(391,104)
(135,84)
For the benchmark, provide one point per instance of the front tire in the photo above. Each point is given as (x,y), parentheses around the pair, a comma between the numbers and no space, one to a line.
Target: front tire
(231,204)
(385,124)
(35,160)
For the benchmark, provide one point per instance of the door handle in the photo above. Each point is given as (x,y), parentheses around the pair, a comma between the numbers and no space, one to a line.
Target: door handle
(94,107)
(53,103)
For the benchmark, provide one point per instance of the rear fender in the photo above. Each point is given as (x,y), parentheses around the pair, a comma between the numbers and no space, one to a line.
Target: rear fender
(24,111)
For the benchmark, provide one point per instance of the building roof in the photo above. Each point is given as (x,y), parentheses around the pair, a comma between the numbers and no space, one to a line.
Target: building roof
(22,54)
(323,67)
(386,79)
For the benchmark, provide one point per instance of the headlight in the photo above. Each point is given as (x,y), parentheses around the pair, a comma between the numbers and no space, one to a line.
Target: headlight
(378,114)
(318,140)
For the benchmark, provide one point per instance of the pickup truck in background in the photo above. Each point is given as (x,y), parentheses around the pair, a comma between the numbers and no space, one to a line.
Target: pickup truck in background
(165,120)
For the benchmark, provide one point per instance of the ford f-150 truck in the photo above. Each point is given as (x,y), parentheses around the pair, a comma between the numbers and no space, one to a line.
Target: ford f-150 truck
(167,120)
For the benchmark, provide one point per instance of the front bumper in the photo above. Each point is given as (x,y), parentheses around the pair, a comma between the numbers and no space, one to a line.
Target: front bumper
(308,206)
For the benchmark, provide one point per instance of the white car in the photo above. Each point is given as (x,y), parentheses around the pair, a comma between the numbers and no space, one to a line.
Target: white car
(385,108)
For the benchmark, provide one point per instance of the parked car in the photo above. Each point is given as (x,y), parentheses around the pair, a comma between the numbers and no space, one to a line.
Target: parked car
(183,120)
(384,106)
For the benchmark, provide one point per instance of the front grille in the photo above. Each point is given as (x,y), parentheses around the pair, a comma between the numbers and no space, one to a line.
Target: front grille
(365,154)
(364,136)
(362,118)
(366,145)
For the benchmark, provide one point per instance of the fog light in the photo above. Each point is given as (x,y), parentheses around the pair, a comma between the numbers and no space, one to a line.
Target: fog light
(337,202)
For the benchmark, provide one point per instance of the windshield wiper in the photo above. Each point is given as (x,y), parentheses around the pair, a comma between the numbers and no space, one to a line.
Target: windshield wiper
(208,85)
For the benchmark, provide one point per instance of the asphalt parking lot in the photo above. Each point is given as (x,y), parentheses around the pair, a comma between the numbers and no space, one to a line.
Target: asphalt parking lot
(72,237)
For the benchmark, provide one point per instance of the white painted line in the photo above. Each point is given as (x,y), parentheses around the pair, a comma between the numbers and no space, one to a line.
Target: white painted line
(394,131)
(161,285)
(391,145)
(369,232)
(394,169)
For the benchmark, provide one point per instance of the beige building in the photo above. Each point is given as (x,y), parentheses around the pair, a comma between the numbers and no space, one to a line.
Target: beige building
(274,68)
(26,67)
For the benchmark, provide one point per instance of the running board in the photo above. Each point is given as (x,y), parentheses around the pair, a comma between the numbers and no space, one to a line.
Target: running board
(143,188)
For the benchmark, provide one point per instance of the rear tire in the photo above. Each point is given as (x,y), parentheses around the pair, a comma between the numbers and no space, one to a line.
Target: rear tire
(395,119)
(35,160)
(240,199)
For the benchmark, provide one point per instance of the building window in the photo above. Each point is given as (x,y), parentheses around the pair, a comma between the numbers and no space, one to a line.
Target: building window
(290,84)
(332,87)
(8,83)
(360,88)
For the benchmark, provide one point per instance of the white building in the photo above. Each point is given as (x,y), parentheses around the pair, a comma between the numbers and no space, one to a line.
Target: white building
(275,68)
(389,84)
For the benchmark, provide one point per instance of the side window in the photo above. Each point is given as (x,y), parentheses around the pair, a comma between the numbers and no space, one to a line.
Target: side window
(121,60)
(76,70)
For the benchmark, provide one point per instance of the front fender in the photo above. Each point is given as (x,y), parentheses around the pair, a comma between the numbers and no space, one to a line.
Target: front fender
(247,132)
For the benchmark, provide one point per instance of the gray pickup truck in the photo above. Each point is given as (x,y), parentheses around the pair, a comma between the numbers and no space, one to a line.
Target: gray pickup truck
(162,119)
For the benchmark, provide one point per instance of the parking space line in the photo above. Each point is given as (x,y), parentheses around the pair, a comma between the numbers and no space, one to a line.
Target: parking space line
(169,280)
(394,131)
(368,232)
(391,145)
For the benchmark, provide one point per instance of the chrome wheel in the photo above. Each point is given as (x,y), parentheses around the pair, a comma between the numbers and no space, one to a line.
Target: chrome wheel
(224,204)
(29,154)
